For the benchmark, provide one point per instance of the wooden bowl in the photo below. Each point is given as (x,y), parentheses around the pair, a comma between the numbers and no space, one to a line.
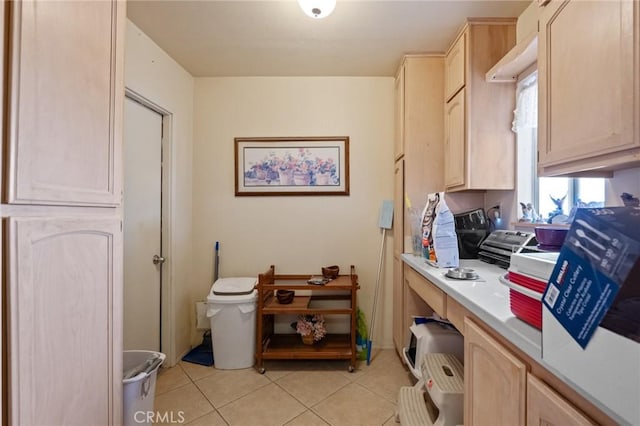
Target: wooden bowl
(330,272)
(285,296)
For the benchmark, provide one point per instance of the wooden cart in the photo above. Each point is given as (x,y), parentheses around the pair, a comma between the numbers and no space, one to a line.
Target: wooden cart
(271,346)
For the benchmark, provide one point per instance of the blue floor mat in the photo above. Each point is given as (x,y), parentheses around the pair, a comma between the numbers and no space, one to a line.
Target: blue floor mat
(201,354)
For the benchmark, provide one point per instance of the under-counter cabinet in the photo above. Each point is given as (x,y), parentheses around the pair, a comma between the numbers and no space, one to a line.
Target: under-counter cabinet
(501,390)
(546,407)
(589,87)
(271,345)
(494,381)
(479,147)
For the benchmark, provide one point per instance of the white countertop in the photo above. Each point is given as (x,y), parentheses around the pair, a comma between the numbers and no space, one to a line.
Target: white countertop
(488,299)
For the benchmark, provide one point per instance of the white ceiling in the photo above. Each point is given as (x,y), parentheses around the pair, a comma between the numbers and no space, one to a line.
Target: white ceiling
(275,38)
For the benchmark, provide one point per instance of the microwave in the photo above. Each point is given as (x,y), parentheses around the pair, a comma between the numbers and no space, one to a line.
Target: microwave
(431,335)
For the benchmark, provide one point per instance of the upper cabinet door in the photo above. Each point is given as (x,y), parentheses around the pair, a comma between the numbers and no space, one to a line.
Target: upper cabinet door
(66,92)
(589,86)
(455,164)
(64,309)
(455,67)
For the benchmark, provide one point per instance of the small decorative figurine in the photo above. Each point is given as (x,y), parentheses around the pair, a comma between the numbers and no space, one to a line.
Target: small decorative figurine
(558,211)
(528,213)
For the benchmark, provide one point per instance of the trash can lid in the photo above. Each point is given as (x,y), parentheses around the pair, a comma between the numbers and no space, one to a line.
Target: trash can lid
(233,286)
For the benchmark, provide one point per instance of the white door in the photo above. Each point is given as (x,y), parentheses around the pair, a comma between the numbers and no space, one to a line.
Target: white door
(142,226)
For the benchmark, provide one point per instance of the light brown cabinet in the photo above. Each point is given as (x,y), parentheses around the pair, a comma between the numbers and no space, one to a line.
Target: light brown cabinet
(546,407)
(398,326)
(494,380)
(427,291)
(479,143)
(64,313)
(418,166)
(454,142)
(65,97)
(398,141)
(588,87)
(454,64)
(62,256)
(501,390)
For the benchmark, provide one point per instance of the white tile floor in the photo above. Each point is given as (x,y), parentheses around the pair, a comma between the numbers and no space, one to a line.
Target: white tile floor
(289,393)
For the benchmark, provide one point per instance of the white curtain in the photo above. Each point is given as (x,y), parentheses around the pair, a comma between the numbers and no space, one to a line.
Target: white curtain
(525,115)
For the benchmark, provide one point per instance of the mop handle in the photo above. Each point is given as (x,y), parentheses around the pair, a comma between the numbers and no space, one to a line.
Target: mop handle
(375,296)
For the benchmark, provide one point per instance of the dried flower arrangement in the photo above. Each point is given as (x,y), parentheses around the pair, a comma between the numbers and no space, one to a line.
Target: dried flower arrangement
(311,324)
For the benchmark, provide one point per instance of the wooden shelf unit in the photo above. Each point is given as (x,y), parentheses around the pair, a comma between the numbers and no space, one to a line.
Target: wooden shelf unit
(271,346)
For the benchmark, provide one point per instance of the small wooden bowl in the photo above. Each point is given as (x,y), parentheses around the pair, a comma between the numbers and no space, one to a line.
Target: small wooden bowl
(285,296)
(330,272)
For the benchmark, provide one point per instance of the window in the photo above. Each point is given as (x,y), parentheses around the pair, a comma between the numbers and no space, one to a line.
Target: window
(552,198)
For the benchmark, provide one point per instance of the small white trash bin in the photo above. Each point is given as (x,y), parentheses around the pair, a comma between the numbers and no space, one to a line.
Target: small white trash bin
(232,313)
(140,369)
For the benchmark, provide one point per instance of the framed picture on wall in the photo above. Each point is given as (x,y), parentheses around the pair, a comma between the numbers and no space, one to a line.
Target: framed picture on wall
(292,166)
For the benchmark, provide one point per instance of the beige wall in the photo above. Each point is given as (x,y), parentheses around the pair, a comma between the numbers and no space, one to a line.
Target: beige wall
(296,234)
(151,73)
(622,181)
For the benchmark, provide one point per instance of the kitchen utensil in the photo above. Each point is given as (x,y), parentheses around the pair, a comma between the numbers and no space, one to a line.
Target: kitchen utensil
(580,232)
(594,230)
(577,244)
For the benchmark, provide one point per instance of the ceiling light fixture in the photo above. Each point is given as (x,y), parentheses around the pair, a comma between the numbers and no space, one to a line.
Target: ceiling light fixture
(317,9)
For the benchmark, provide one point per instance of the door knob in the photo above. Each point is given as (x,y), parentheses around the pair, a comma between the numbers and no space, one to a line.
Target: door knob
(158,260)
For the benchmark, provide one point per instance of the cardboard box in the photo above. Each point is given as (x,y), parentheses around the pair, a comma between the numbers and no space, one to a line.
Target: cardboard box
(596,280)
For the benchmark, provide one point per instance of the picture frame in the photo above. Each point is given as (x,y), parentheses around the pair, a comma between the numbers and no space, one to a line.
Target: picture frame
(277,166)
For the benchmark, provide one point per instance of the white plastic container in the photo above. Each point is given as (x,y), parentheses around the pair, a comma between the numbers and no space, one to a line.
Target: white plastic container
(139,391)
(232,313)
(431,337)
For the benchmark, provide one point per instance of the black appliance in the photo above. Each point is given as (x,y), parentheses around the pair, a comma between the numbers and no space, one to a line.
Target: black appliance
(498,247)
(472,228)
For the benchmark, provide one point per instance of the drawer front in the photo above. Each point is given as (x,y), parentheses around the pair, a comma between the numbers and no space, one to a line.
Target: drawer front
(432,295)
(456,313)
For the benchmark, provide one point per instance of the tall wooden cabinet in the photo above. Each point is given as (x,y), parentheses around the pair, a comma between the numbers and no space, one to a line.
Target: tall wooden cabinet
(418,163)
(479,146)
(398,245)
(61,192)
(588,87)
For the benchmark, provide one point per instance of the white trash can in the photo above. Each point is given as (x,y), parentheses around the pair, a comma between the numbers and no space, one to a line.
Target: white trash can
(232,312)
(140,369)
